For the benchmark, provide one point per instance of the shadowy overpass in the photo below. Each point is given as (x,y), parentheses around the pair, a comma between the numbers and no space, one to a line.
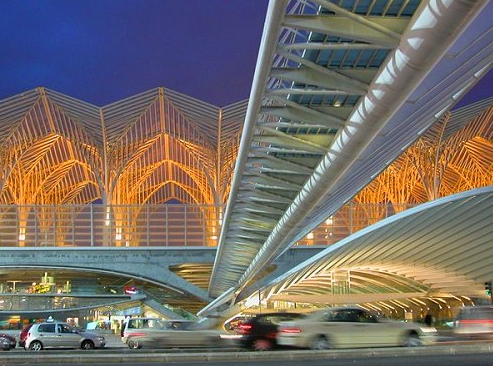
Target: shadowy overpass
(149,265)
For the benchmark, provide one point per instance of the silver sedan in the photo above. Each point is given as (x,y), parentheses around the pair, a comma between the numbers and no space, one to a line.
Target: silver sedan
(351,327)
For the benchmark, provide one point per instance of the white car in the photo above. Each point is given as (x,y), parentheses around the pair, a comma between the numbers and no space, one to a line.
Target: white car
(351,327)
(55,334)
(159,333)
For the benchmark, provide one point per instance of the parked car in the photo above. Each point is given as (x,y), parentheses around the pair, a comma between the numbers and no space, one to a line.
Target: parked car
(159,333)
(475,321)
(23,335)
(351,327)
(7,341)
(259,332)
(61,335)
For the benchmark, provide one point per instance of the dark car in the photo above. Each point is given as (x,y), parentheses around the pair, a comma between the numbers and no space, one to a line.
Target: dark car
(7,341)
(23,336)
(259,333)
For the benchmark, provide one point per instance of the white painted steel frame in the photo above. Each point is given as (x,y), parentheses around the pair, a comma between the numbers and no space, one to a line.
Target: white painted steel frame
(443,245)
(421,79)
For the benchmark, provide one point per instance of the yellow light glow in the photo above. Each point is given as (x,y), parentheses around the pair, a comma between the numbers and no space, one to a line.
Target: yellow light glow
(22,234)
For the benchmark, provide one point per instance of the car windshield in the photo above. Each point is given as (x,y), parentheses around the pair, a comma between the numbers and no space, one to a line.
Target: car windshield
(141,323)
(347,315)
(279,318)
(178,324)
(65,328)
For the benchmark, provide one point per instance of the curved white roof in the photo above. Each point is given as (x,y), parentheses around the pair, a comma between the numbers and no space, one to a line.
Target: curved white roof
(440,247)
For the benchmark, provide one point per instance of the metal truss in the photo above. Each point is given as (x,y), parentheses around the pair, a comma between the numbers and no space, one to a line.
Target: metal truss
(440,254)
(150,148)
(156,147)
(341,89)
(455,155)
(450,158)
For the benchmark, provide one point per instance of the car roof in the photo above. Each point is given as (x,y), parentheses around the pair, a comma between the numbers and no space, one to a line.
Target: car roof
(335,308)
(265,315)
(351,307)
(51,322)
(276,313)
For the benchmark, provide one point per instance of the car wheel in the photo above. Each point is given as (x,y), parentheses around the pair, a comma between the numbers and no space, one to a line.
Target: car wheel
(35,346)
(412,340)
(134,344)
(320,342)
(261,344)
(87,344)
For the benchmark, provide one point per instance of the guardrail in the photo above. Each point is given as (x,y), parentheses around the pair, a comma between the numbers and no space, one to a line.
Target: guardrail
(16,303)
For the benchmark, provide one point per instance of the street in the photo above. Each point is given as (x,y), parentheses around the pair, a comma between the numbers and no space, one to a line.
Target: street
(431,360)
(459,353)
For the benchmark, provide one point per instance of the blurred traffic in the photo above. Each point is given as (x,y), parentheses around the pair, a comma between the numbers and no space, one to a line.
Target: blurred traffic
(475,321)
(259,332)
(336,327)
(351,327)
(158,333)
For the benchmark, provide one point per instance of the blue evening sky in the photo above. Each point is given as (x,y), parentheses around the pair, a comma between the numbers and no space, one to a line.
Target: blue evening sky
(101,51)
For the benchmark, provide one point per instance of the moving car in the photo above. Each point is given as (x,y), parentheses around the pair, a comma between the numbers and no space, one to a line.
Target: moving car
(351,327)
(7,341)
(159,333)
(259,332)
(475,321)
(135,330)
(23,335)
(57,334)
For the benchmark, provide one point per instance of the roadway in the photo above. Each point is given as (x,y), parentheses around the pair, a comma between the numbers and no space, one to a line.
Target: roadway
(456,360)
(478,353)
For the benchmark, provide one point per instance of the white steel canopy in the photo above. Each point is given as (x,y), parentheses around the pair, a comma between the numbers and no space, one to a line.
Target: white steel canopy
(340,90)
(443,247)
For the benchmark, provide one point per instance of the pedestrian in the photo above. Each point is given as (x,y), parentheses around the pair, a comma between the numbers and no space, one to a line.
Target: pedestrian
(428,319)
